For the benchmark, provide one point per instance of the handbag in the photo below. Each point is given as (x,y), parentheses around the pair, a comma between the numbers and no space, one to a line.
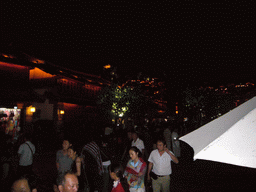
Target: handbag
(153,175)
(149,187)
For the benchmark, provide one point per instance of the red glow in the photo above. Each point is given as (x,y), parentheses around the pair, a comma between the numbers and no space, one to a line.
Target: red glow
(12,65)
(39,74)
(69,105)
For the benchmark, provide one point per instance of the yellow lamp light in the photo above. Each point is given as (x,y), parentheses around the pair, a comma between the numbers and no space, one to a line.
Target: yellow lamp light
(32,109)
(62,112)
(107,66)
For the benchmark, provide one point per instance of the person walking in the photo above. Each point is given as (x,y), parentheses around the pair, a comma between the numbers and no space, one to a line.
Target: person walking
(127,145)
(63,162)
(76,166)
(137,142)
(93,165)
(26,152)
(160,160)
(135,171)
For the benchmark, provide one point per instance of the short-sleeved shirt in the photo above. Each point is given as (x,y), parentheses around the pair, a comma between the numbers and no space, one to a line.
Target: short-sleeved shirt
(64,162)
(139,144)
(26,155)
(161,164)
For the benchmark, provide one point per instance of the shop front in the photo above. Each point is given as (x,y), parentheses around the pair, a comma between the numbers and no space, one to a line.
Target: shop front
(10,120)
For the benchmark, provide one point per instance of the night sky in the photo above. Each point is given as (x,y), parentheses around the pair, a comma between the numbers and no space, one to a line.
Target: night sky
(185,41)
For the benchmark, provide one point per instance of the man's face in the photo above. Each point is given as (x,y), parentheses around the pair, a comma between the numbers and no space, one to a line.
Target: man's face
(71,184)
(20,186)
(134,136)
(160,146)
(129,134)
(65,144)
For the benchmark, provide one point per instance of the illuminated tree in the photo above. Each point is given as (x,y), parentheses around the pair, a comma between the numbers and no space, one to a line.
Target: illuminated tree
(126,96)
(120,102)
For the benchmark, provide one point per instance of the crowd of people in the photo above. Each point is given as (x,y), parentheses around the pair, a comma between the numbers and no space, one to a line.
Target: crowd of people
(132,161)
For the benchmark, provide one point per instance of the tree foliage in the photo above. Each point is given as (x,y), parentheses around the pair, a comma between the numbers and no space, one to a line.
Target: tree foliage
(116,101)
(212,105)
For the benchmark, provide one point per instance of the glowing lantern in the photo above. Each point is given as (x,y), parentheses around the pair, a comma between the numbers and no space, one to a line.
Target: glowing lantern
(107,66)
(32,109)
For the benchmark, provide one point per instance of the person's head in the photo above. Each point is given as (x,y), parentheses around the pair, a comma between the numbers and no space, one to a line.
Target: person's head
(72,151)
(161,144)
(24,184)
(129,135)
(134,153)
(134,136)
(66,144)
(27,137)
(116,171)
(68,182)
(55,186)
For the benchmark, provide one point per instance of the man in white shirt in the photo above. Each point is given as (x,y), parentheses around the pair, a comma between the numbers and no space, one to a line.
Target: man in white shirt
(26,152)
(137,142)
(160,160)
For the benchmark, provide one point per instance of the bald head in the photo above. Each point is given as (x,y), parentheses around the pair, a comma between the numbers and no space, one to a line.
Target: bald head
(69,183)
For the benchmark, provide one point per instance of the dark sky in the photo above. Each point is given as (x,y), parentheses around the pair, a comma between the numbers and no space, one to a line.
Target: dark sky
(187,40)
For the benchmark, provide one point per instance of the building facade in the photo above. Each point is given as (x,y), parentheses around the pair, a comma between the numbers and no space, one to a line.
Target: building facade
(36,94)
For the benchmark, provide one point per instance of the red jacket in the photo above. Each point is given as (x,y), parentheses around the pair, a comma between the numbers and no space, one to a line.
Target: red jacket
(118,188)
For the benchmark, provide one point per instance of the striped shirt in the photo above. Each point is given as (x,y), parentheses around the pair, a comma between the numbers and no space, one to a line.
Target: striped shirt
(94,150)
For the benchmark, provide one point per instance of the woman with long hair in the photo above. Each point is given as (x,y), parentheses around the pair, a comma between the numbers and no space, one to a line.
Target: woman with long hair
(135,171)
(116,173)
(76,166)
